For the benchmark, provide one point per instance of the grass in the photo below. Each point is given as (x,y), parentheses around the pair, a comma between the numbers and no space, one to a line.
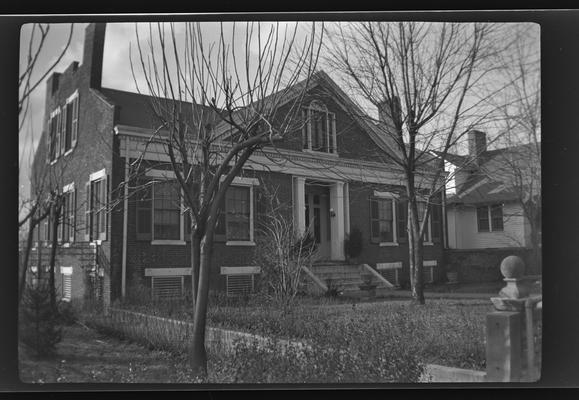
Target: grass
(447,332)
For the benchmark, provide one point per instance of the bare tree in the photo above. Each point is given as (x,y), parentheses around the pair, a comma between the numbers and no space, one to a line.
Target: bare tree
(519,165)
(431,81)
(216,103)
(36,207)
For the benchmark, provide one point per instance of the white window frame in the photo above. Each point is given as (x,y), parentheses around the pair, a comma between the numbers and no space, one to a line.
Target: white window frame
(251,183)
(159,174)
(488,207)
(431,264)
(74,121)
(96,176)
(318,106)
(67,241)
(54,114)
(394,197)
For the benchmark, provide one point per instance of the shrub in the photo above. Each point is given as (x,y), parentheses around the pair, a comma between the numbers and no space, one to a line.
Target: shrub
(282,251)
(39,325)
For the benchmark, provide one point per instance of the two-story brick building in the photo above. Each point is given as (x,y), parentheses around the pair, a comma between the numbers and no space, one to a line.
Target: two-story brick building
(334,173)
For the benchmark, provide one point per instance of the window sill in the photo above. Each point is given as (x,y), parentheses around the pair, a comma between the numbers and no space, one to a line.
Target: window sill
(66,244)
(387,244)
(240,243)
(428,243)
(169,242)
(67,152)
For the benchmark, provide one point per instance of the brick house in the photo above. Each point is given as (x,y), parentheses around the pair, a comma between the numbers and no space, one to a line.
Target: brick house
(335,176)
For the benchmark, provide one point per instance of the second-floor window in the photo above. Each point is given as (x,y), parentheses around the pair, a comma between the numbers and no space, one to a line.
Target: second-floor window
(319,130)
(63,129)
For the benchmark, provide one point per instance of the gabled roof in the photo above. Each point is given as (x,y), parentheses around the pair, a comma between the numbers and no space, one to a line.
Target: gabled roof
(320,78)
(484,191)
(489,179)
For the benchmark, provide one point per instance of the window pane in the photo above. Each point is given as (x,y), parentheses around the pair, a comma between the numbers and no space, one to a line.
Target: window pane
(238,213)
(497,217)
(167,211)
(483,219)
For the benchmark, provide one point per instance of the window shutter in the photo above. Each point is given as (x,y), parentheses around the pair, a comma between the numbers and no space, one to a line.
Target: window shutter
(60,219)
(103,197)
(74,133)
(402,218)
(72,219)
(374,222)
(87,212)
(58,134)
(63,129)
(436,221)
(49,142)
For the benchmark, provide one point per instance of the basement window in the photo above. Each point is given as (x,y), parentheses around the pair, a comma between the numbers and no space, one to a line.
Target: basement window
(239,285)
(66,283)
(167,287)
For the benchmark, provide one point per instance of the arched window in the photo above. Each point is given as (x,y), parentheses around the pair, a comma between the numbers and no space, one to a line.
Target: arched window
(319,131)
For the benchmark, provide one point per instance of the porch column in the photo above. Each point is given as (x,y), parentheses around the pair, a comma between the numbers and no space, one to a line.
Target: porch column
(337,221)
(299,208)
(346,208)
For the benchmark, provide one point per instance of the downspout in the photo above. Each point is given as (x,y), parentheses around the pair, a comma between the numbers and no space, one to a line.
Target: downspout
(125,220)
(444,221)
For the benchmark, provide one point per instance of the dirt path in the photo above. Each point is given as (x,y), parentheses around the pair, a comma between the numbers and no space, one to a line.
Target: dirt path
(84,355)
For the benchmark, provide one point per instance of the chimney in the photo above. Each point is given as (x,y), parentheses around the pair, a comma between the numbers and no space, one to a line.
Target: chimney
(92,60)
(477,143)
(384,110)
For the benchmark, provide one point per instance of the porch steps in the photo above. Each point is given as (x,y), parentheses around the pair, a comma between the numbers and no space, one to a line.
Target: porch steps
(343,276)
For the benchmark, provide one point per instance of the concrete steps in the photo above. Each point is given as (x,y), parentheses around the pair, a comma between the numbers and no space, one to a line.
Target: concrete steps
(344,277)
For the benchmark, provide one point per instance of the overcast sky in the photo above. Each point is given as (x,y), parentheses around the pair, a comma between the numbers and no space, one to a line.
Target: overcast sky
(116,71)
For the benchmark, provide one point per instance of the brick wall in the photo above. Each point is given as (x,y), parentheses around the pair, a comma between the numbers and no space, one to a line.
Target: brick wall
(483,265)
(94,147)
(372,253)
(79,256)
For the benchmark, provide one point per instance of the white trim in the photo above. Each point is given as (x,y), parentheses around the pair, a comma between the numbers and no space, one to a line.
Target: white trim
(66,270)
(160,173)
(97,175)
(71,98)
(240,243)
(428,243)
(240,270)
(168,242)
(242,181)
(430,263)
(386,244)
(389,265)
(68,188)
(68,151)
(167,271)
(386,195)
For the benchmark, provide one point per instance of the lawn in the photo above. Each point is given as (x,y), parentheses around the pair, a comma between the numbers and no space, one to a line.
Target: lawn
(447,332)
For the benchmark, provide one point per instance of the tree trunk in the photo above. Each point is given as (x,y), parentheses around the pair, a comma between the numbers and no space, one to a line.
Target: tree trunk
(54,215)
(416,250)
(198,354)
(195,263)
(24,265)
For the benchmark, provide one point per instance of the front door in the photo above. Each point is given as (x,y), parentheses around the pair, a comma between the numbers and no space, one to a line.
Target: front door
(317,218)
